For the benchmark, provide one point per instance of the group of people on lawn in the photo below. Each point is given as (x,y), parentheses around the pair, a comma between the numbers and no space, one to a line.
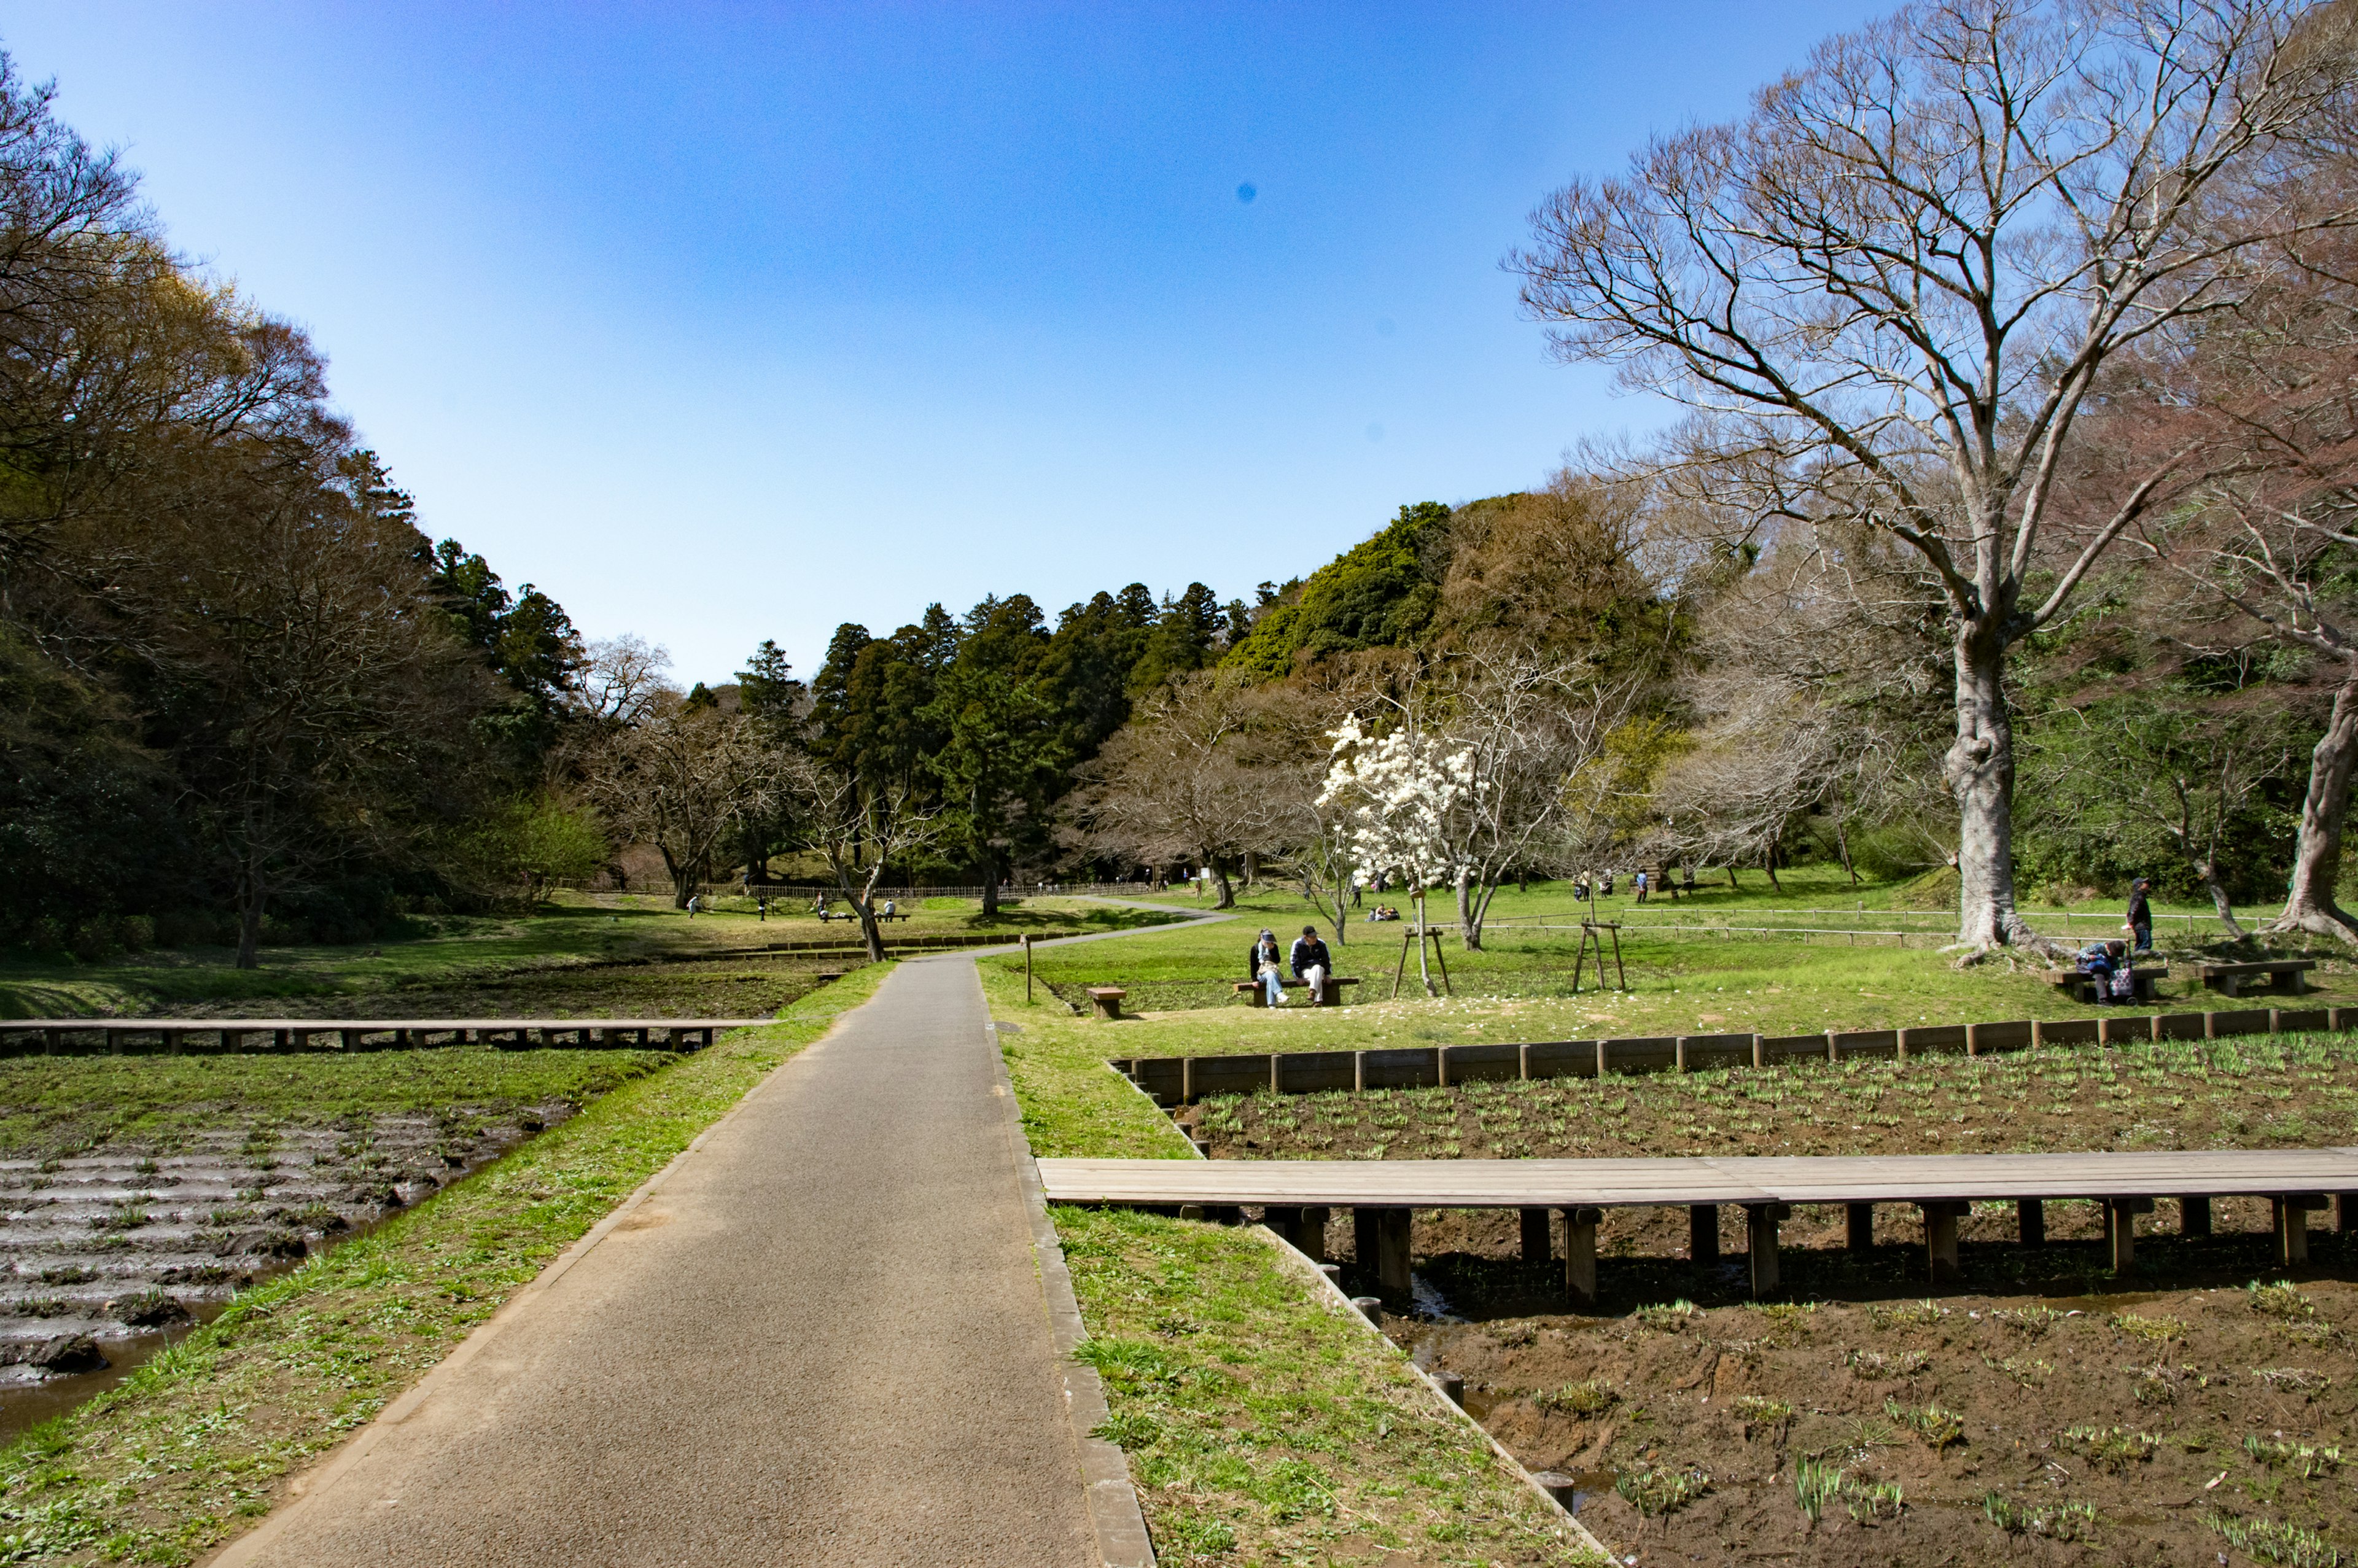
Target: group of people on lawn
(1308,958)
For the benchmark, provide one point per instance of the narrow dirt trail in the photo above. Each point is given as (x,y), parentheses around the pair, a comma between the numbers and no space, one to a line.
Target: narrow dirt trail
(822,1338)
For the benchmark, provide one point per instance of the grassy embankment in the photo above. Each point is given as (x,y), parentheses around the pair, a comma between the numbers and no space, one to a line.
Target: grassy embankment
(611,954)
(71,1105)
(1514,987)
(195,1443)
(1262,1428)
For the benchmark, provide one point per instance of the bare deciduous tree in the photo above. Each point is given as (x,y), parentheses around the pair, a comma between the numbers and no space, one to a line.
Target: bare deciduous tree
(684,778)
(1897,281)
(860,831)
(1179,781)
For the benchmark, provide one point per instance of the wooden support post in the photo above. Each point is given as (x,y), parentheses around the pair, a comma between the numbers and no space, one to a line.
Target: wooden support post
(1761,1243)
(1703,1233)
(1311,1237)
(1941,1241)
(2030,1222)
(1834,1051)
(1392,1265)
(2120,1233)
(1972,1039)
(1187,1080)
(1758,1054)
(1679,1053)
(2291,1219)
(1363,1239)
(1861,1220)
(1285,1223)
(2345,1212)
(1027,968)
(1580,1255)
(1277,1072)
(2193,1217)
(1538,1245)
(1358,1072)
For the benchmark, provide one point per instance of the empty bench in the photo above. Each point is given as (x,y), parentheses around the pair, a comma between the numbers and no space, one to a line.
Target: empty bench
(2081,986)
(1106,1000)
(2281,974)
(1329,998)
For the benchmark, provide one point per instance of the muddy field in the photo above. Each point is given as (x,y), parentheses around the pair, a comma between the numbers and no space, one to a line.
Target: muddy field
(138,1194)
(2169,1425)
(2040,1411)
(732,989)
(2254,1093)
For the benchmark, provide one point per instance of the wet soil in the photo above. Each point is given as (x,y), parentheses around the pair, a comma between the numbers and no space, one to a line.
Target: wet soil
(2256,1093)
(1990,1423)
(2038,1410)
(745,989)
(127,1246)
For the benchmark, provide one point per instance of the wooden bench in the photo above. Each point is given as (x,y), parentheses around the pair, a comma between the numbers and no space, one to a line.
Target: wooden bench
(2081,985)
(2283,974)
(1106,1000)
(1328,999)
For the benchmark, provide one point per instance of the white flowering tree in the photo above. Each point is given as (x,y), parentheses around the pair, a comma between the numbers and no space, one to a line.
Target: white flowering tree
(1394,797)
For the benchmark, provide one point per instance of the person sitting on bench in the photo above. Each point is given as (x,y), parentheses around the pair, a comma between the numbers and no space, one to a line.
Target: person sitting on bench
(1311,963)
(1267,966)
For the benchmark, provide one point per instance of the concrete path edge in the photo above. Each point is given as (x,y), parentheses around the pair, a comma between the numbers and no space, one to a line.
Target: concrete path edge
(319,1476)
(1115,1515)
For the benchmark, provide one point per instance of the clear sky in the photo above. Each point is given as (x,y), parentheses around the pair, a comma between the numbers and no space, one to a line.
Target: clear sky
(731,322)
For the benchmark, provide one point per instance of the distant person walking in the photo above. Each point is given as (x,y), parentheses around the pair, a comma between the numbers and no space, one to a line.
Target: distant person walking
(1267,965)
(1311,963)
(1638,884)
(2141,915)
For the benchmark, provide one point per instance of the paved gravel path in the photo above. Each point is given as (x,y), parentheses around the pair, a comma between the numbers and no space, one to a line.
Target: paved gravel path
(822,1339)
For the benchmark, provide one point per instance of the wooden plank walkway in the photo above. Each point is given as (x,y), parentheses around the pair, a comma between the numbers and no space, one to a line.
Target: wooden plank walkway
(1566,1198)
(1747,1179)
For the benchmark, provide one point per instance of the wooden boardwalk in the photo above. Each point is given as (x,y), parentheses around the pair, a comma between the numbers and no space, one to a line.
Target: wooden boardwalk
(19,1035)
(1382,1193)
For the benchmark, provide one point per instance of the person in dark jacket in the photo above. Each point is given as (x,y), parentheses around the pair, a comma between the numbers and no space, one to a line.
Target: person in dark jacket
(2141,915)
(1267,965)
(1311,963)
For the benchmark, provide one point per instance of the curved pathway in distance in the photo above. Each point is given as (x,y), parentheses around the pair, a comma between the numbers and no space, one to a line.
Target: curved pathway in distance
(821,1338)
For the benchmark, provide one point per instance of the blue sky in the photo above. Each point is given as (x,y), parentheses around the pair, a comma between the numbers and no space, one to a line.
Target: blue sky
(731,322)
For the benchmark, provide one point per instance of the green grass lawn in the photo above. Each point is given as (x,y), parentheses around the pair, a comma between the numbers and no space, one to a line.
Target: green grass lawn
(1261,1427)
(195,1443)
(1518,986)
(61,1105)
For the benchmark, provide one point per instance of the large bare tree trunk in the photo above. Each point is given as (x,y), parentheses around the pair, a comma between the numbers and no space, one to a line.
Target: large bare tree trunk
(1228,889)
(2309,903)
(1980,766)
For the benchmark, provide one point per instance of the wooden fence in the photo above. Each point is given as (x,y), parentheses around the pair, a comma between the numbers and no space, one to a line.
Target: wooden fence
(1182,1080)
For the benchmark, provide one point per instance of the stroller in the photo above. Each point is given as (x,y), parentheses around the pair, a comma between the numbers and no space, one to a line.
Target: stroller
(2107,963)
